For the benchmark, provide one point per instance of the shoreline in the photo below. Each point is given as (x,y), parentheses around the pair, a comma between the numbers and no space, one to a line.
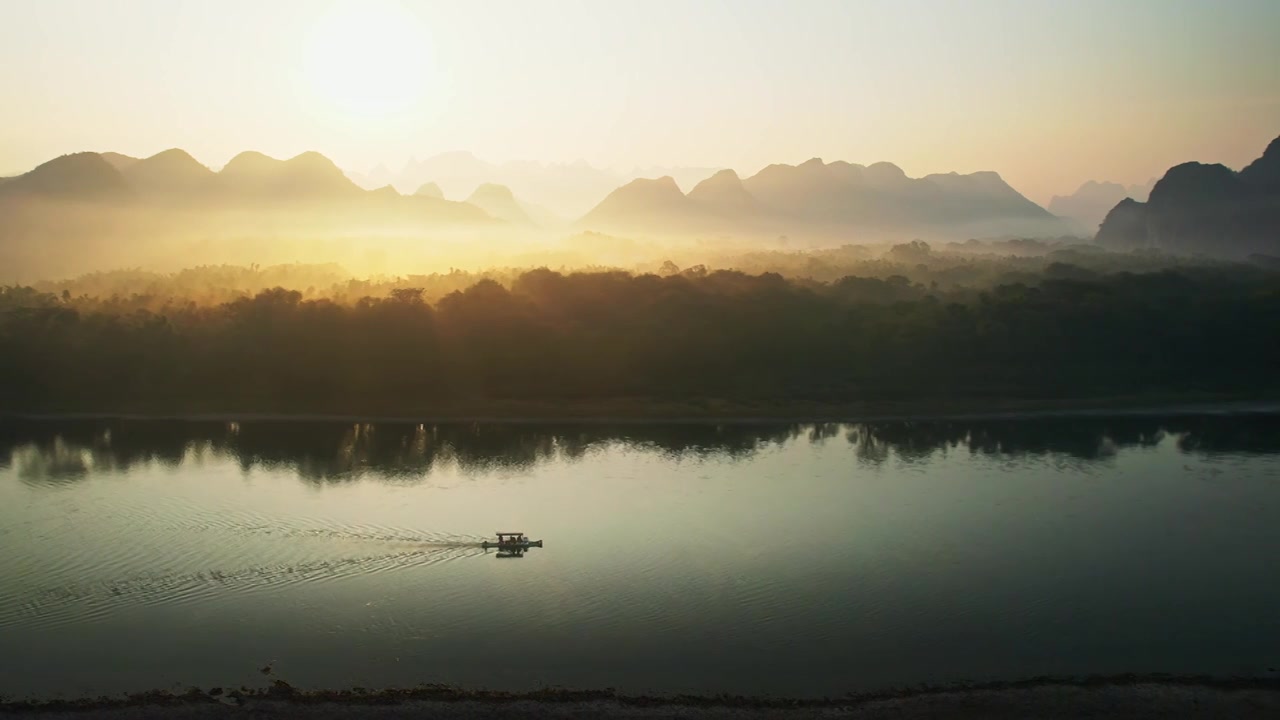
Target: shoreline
(1127,695)
(594,415)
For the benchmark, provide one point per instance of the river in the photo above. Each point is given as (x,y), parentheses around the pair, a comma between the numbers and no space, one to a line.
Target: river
(788,559)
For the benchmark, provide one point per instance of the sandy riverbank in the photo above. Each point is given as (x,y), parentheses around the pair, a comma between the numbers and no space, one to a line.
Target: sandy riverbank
(1047,700)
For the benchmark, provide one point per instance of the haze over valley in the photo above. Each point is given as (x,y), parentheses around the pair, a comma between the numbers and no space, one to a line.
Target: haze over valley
(640,359)
(91,211)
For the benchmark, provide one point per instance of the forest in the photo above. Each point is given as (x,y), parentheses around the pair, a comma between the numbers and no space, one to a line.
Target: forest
(914,325)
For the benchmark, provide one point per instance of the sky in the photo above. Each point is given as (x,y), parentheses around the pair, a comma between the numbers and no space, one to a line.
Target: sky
(1048,94)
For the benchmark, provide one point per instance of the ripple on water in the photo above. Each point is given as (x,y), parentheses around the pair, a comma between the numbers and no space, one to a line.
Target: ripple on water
(63,604)
(190,554)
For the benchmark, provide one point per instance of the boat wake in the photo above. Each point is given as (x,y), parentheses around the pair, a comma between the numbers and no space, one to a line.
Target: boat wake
(243,522)
(53,606)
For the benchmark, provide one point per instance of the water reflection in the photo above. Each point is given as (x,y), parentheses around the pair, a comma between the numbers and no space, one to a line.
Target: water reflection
(61,452)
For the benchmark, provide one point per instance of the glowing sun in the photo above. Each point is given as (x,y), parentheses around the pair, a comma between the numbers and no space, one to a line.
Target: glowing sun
(369,59)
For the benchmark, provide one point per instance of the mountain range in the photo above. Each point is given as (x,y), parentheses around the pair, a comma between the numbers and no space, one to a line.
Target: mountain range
(251,181)
(564,189)
(90,211)
(1089,205)
(824,200)
(1197,208)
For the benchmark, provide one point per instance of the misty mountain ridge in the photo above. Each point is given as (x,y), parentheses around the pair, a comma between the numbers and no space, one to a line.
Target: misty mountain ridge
(564,189)
(430,190)
(1089,204)
(724,193)
(308,175)
(174,177)
(86,211)
(819,198)
(170,172)
(118,161)
(816,199)
(501,203)
(1198,208)
(498,201)
(77,176)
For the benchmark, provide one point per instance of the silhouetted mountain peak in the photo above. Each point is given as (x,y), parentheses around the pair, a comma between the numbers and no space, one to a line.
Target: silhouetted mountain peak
(307,174)
(430,190)
(666,183)
(314,174)
(168,172)
(1089,204)
(1093,188)
(990,178)
(644,201)
(786,184)
(723,191)
(885,173)
(117,160)
(722,179)
(1195,182)
(85,175)
(1271,154)
(1204,208)
(492,191)
(1265,171)
(250,162)
(663,189)
(983,182)
(498,201)
(313,161)
(173,156)
(1125,226)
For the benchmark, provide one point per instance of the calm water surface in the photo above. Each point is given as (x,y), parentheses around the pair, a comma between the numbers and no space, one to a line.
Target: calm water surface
(796,560)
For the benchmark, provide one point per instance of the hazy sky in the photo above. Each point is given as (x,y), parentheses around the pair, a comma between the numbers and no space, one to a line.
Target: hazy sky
(1049,94)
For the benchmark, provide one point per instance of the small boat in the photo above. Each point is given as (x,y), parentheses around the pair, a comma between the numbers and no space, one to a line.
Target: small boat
(511,541)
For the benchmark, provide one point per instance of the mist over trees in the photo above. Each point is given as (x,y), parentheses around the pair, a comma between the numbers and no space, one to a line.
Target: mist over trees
(682,339)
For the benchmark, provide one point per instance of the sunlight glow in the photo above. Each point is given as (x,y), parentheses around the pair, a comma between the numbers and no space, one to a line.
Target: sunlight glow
(369,60)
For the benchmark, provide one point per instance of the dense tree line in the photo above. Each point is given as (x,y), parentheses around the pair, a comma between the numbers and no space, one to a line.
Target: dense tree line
(971,265)
(692,337)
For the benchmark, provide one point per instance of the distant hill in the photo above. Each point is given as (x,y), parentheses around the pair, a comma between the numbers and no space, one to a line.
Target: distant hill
(817,198)
(79,176)
(172,172)
(725,194)
(564,189)
(429,190)
(650,205)
(1089,205)
(1205,209)
(309,176)
(498,201)
(118,161)
(386,193)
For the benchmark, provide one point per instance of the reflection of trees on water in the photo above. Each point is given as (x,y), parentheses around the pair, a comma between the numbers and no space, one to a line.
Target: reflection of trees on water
(322,452)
